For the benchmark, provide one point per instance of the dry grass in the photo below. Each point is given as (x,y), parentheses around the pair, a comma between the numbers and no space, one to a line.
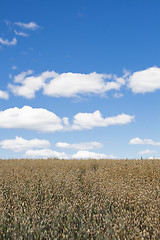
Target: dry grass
(54,199)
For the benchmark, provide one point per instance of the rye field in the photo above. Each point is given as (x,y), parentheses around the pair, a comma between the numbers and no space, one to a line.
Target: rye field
(79,199)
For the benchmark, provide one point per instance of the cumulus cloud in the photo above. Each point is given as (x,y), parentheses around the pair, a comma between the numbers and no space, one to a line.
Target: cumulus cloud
(38,119)
(95,119)
(20,77)
(65,84)
(20,144)
(21,33)
(4,95)
(7,42)
(80,146)
(90,155)
(73,84)
(28,85)
(45,153)
(138,140)
(145,81)
(146,152)
(30,25)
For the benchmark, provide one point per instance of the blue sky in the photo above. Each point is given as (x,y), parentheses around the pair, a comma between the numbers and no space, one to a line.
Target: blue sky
(79,79)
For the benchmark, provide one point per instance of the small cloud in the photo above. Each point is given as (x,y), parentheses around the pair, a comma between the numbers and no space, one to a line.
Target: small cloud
(126,73)
(10,76)
(4,95)
(26,88)
(14,67)
(153,157)
(91,155)
(29,26)
(148,141)
(7,42)
(19,78)
(118,95)
(80,146)
(21,34)
(45,153)
(20,144)
(146,152)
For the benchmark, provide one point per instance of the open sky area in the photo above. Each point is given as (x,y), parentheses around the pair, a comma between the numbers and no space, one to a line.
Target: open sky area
(79,79)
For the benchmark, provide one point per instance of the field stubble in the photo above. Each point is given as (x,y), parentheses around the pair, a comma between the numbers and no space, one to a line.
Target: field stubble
(78,199)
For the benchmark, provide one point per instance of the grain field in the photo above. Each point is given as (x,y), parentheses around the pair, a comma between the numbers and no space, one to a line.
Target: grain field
(79,199)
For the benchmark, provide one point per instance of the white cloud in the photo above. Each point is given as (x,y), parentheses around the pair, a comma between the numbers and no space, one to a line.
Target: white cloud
(38,119)
(90,155)
(95,119)
(145,81)
(20,77)
(14,67)
(118,95)
(4,95)
(72,84)
(65,84)
(21,34)
(80,146)
(138,140)
(29,84)
(7,42)
(45,153)
(20,144)
(152,157)
(30,25)
(146,152)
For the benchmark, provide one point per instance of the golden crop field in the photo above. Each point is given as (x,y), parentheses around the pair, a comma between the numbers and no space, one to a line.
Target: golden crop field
(79,199)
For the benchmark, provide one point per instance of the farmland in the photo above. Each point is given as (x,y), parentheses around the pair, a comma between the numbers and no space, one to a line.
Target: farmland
(79,199)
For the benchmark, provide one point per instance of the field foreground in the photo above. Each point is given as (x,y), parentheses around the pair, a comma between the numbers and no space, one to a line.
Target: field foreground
(78,199)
